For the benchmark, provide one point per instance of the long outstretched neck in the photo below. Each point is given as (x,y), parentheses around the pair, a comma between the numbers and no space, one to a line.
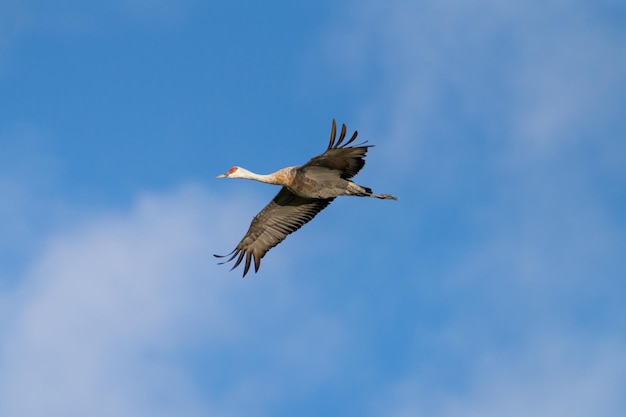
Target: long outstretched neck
(266,178)
(280,177)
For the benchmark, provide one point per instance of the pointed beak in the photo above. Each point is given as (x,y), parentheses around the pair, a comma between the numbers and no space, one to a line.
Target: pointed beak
(221,176)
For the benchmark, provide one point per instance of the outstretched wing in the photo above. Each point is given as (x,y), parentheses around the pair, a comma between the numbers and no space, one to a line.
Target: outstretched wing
(285,214)
(346,160)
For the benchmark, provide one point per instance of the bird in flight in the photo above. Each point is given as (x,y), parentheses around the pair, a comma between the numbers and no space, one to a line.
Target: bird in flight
(306,190)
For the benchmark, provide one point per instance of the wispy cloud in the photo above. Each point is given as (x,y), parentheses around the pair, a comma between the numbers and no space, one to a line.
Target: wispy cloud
(445,77)
(553,376)
(126,313)
(501,125)
(505,112)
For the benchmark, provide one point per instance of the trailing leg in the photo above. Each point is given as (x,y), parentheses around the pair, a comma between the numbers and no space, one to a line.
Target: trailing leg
(361,191)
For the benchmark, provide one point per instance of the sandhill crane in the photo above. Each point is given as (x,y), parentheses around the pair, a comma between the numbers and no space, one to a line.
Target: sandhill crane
(306,190)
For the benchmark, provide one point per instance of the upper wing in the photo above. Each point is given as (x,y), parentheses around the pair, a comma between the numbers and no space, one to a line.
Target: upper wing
(285,214)
(347,160)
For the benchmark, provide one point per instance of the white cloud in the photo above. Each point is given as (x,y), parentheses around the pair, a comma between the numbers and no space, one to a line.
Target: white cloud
(26,211)
(443,78)
(551,377)
(127,314)
(519,98)
(506,111)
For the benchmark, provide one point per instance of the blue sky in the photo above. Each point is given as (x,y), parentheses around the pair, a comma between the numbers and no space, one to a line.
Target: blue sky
(494,286)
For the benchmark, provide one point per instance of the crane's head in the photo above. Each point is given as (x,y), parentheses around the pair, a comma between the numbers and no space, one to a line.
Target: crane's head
(234,172)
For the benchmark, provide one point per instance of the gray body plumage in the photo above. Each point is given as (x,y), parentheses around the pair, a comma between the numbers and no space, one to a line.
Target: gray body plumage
(307,190)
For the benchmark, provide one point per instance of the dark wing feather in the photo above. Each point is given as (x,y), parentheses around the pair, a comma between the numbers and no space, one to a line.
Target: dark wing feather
(347,160)
(285,214)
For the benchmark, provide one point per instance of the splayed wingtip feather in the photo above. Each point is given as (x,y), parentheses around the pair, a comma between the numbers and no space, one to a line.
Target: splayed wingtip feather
(333,134)
(342,135)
